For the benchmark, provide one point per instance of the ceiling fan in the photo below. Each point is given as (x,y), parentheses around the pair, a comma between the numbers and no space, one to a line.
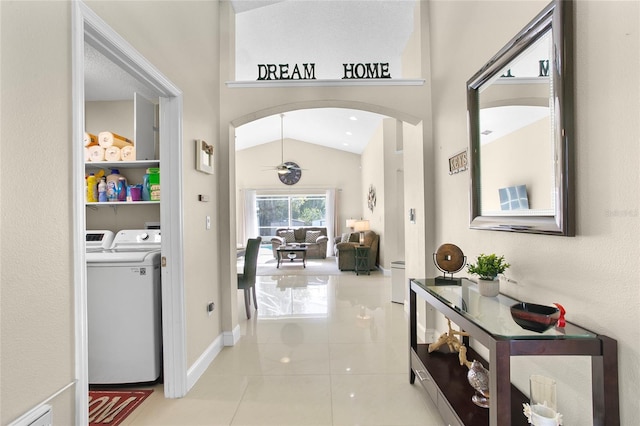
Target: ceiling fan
(284,167)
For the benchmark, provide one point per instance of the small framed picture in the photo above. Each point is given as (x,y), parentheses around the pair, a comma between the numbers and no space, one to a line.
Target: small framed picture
(458,163)
(204,157)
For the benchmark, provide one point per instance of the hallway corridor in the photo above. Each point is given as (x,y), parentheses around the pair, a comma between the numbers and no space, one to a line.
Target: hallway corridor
(322,350)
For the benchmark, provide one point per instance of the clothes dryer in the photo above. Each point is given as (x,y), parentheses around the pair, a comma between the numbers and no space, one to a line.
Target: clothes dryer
(124,309)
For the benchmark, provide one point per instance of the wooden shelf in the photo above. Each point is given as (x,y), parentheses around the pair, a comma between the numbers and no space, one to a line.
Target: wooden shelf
(122,164)
(451,378)
(121,203)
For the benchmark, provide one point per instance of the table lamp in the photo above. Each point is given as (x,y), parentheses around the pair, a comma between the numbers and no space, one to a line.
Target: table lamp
(361,226)
(350,224)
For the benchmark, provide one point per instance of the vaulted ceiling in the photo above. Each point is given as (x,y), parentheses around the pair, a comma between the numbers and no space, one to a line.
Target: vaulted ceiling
(325,32)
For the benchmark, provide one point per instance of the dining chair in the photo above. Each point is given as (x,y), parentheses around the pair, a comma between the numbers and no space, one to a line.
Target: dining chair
(247,279)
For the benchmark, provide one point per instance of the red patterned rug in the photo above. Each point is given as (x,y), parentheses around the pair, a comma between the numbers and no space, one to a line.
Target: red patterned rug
(111,407)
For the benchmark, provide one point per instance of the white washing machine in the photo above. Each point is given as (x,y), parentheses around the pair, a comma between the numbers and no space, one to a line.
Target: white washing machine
(99,240)
(124,308)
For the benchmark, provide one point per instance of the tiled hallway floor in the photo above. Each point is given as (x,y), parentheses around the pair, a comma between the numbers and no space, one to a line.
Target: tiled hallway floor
(322,350)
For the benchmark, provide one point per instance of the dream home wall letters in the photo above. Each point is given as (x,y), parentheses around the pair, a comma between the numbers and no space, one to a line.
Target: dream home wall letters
(308,71)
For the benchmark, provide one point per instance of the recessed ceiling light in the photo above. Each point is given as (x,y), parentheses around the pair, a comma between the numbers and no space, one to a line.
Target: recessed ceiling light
(345,144)
(349,134)
(353,118)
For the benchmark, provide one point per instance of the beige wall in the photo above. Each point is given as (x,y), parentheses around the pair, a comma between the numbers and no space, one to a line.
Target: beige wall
(37,355)
(395,217)
(324,168)
(595,275)
(373,175)
(382,166)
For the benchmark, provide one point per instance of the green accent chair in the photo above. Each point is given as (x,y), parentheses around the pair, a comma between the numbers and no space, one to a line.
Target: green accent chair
(247,280)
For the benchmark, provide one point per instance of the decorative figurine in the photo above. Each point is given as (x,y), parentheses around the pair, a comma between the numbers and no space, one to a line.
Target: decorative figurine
(449,259)
(478,377)
(454,344)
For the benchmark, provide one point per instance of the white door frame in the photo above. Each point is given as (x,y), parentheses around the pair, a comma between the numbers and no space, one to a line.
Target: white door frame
(87,26)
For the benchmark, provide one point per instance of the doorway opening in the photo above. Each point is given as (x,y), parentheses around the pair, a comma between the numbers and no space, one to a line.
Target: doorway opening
(321,166)
(89,32)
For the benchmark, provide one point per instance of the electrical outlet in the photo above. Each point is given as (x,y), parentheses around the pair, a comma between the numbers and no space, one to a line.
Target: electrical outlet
(208,225)
(210,307)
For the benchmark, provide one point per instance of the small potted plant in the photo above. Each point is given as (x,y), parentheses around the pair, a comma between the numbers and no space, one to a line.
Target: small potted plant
(487,268)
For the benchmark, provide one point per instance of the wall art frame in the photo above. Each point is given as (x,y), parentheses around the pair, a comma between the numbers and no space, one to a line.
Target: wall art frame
(458,163)
(371,198)
(204,156)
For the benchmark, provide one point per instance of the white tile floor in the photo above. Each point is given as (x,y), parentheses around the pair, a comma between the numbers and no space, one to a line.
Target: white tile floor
(329,350)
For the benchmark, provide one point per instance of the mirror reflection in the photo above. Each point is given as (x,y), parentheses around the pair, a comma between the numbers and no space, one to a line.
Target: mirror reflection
(520,122)
(516,141)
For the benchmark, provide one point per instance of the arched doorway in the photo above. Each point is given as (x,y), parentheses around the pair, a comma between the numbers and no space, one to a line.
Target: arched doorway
(400,119)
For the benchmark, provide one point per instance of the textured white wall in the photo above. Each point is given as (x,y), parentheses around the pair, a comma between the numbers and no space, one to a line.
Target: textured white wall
(35,193)
(373,172)
(595,275)
(380,166)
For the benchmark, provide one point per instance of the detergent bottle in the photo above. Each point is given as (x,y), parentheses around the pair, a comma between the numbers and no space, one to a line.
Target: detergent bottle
(146,195)
(92,188)
(122,189)
(112,185)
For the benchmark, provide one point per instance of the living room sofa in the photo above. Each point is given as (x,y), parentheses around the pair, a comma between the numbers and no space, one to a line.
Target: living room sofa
(314,238)
(345,249)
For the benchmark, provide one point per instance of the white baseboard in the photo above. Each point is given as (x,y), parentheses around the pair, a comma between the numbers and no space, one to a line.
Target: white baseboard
(232,337)
(202,363)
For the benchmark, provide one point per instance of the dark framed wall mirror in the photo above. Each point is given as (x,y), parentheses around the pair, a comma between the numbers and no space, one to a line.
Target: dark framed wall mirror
(520,113)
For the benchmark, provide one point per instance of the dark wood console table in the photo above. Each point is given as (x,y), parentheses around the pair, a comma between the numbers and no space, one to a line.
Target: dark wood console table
(488,321)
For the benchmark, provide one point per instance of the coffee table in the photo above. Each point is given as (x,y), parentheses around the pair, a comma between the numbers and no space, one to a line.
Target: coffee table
(290,252)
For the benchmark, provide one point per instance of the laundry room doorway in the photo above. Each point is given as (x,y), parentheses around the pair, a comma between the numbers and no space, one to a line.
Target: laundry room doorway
(104,64)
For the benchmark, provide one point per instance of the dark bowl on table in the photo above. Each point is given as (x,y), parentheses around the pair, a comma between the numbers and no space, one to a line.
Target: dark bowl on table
(535,317)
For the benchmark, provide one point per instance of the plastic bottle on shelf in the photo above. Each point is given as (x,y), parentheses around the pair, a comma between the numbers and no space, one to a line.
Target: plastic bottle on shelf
(102,190)
(112,185)
(122,188)
(146,195)
(92,189)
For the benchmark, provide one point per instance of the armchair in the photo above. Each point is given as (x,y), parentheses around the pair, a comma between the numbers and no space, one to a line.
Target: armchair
(346,252)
